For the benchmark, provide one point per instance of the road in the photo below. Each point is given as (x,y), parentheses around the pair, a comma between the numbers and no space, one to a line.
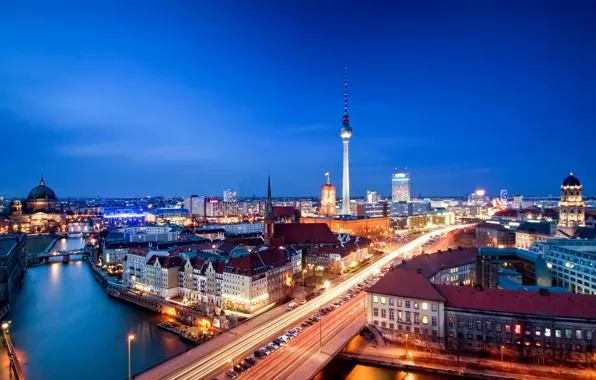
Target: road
(200,365)
(285,360)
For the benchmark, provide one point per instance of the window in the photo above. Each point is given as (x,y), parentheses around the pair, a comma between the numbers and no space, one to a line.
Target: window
(398,303)
(391,326)
(557,333)
(434,321)
(424,306)
(508,329)
(518,329)
(375,299)
(391,314)
(479,325)
(415,305)
(408,317)
(460,323)
(416,317)
(588,334)
(469,323)
(383,324)
(489,326)
(383,313)
(547,332)
(433,307)
(399,315)
(407,304)
(538,332)
(567,333)
(383,300)
(498,327)
(578,334)
(375,312)
(425,319)
(391,301)
(450,322)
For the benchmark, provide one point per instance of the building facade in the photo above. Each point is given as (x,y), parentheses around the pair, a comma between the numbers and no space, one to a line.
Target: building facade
(571,207)
(13,263)
(400,187)
(328,200)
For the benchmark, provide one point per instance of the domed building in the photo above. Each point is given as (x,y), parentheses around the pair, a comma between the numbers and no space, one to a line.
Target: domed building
(571,206)
(38,213)
(41,198)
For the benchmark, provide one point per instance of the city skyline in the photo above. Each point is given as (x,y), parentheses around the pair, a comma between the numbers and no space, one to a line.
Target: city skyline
(176,99)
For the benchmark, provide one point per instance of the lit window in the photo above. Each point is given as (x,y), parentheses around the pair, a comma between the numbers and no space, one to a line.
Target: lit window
(538,332)
(424,306)
(383,300)
(518,329)
(547,332)
(415,305)
(578,334)
(425,319)
(557,333)
(375,299)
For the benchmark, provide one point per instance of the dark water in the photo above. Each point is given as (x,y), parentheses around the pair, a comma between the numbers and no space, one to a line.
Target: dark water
(346,370)
(64,326)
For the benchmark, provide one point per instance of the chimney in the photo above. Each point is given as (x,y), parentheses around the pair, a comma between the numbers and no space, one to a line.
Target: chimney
(419,271)
(479,287)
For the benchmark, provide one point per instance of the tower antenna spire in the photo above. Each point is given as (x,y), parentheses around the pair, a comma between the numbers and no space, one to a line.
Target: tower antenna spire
(345,91)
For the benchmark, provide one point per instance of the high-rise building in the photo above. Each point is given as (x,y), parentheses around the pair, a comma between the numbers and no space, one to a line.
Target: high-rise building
(230,195)
(372,197)
(328,194)
(571,206)
(400,187)
(193,204)
(517,202)
(346,132)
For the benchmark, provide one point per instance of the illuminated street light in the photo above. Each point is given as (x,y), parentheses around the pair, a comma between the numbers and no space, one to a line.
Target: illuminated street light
(5,326)
(327,284)
(130,338)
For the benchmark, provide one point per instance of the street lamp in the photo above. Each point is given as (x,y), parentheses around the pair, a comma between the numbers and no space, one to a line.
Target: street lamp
(130,338)
(303,283)
(5,326)
(407,346)
(502,348)
(327,284)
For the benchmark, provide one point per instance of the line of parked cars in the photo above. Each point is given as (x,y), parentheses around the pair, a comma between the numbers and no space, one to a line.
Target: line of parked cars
(263,352)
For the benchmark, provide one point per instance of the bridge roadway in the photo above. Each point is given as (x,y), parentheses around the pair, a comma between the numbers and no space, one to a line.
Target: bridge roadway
(198,364)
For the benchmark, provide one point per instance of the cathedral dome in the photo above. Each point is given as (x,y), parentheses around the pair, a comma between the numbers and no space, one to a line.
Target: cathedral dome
(41,192)
(571,181)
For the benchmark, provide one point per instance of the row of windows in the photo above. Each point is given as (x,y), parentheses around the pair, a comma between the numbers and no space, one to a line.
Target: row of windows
(517,329)
(408,315)
(407,303)
(417,330)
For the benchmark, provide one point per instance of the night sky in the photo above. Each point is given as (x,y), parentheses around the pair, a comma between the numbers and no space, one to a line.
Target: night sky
(153,97)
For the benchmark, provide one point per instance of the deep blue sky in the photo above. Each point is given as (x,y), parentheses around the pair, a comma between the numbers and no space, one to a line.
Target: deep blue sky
(136,98)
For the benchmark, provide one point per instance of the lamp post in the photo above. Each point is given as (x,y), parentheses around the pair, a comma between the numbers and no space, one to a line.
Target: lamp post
(130,338)
(303,283)
(407,346)
(502,348)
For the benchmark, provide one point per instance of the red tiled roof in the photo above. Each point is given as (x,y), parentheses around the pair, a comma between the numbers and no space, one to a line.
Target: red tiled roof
(166,261)
(190,248)
(520,302)
(283,211)
(138,252)
(257,261)
(405,283)
(305,233)
(430,264)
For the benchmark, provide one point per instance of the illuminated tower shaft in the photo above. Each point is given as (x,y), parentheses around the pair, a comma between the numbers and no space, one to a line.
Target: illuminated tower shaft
(346,132)
(345,203)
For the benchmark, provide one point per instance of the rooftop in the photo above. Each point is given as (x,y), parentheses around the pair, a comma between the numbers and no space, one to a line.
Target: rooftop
(520,302)
(405,283)
(305,233)
(430,264)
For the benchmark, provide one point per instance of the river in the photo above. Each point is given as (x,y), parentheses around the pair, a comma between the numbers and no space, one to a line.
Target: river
(64,326)
(339,369)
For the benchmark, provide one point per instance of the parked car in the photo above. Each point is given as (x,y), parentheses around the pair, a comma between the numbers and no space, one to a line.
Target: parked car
(302,302)
(279,342)
(260,353)
(251,360)
(299,329)
(272,347)
(305,324)
(231,374)
(246,365)
(238,368)
(267,350)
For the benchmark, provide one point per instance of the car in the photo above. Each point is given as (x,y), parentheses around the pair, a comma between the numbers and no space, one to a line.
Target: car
(267,350)
(260,353)
(238,368)
(279,342)
(246,365)
(298,328)
(310,321)
(305,324)
(302,302)
(290,335)
(284,338)
(251,360)
(272,347)
(231,374)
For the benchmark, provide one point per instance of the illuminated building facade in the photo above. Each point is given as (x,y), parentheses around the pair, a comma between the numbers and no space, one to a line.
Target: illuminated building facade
(119,217)
(230,195)
(353,225)
(571,206)
(327,199)
(372,197)
(400,187)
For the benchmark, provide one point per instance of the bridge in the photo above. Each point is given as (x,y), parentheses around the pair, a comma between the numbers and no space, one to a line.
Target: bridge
(12,355)
(45,257)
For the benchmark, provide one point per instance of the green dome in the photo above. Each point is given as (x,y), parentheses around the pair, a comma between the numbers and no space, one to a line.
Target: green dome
(41,192)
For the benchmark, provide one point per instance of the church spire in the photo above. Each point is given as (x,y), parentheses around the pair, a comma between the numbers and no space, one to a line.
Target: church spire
(41,181)
(269,215)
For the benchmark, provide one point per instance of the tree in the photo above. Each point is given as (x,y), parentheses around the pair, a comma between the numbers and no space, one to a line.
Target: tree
(430,346)
(457,345)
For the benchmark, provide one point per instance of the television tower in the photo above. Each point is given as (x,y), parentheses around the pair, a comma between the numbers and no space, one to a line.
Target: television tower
(346,132)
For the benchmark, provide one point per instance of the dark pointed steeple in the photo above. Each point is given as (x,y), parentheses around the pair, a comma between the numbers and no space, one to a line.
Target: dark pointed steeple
(41,181)
(269,215)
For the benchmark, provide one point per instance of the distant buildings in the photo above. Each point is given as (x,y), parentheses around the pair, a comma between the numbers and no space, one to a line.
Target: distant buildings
(372,197)
(123,216)
(357,226)
(328,200)
(571,206)
(400,187)
(237,228)
(177,216)
(230,195)
(529,233)
(491,234)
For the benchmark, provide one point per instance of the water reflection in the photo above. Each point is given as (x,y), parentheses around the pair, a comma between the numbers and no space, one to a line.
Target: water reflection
(66,327)
(345,370)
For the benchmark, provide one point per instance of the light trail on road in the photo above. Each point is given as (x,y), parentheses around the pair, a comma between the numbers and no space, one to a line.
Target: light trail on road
(218,359)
